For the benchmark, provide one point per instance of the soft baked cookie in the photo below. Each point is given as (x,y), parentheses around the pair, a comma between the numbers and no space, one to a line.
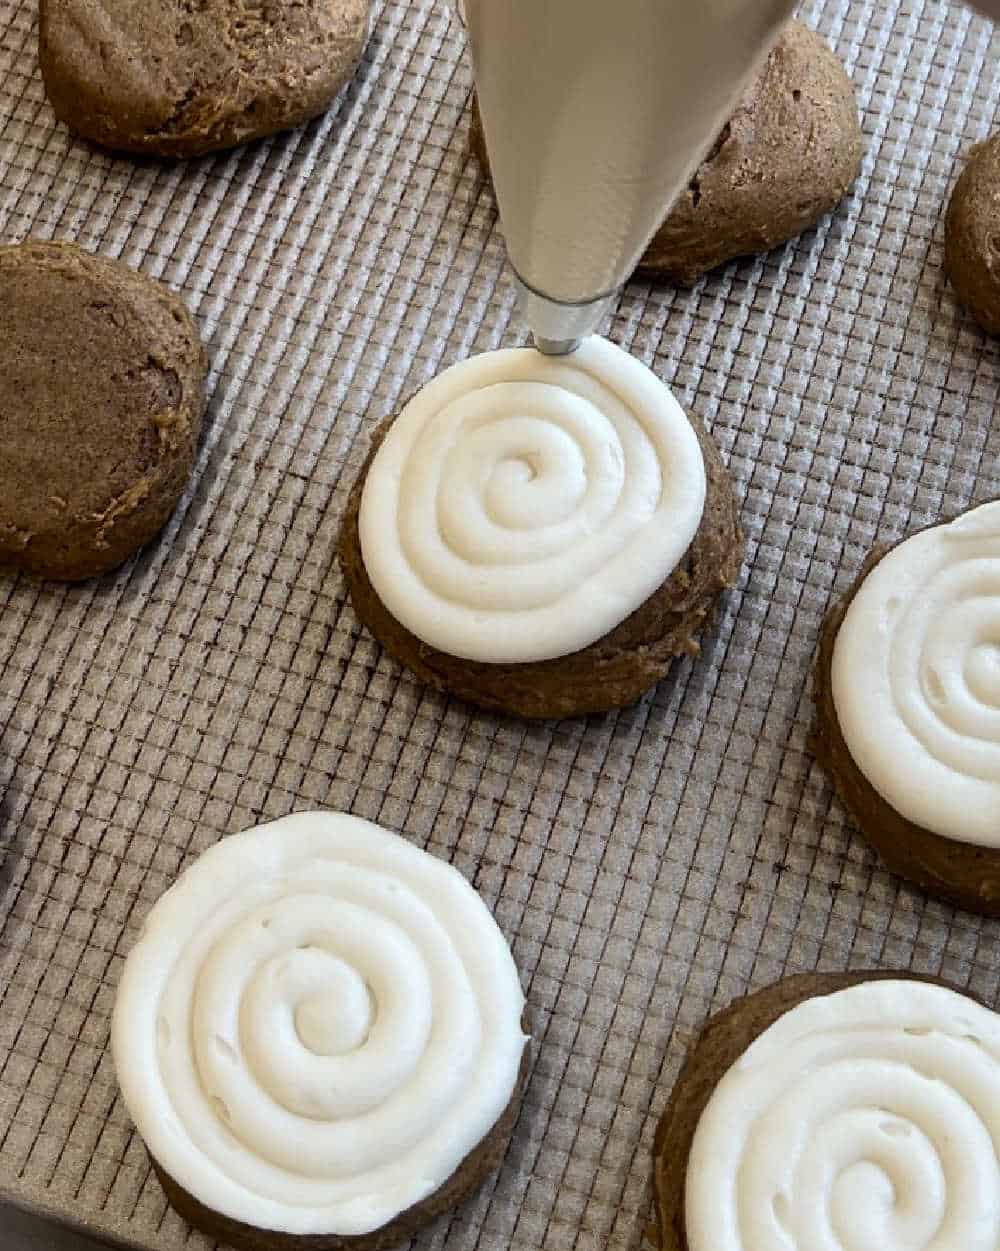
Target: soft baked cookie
(171,78)
(836,1110)
(787,156)
(101,395)
(320,1037)
(907,691)
(541,536)
(972,236)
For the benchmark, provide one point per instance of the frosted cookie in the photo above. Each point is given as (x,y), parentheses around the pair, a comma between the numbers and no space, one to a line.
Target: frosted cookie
(908,706)
(541,535)
(102,391)
(176,78)
(787,156)
(836,1112)
(972,236)
(319,1035)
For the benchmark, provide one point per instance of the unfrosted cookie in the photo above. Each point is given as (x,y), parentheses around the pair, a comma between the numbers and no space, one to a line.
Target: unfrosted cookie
(101,399)
(320,1037)
(541,536)
(787,156)
(172,78)
(908,706)
(836,1110)
(972,236)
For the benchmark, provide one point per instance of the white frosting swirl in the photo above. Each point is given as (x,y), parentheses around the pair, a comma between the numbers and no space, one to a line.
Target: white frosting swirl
(522,506)
(866,1120)
(916,678)
(319,1022)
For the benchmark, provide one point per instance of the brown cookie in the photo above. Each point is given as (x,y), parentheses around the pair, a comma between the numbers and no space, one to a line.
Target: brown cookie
(965,874)
(614,671)
(171,78)
(786,157)
(972,236)
(725,1037)
(347,1049)
(474,1169)
(101,400)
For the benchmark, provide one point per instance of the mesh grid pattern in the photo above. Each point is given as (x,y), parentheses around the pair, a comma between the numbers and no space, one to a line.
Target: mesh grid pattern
(647,866)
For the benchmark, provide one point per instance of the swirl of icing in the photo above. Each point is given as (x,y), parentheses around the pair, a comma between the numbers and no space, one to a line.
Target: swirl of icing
(865,1120)
(916,678)
(317,1025)
(521,506)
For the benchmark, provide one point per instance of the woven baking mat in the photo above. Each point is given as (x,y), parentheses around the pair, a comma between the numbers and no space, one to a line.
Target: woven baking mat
(648,866)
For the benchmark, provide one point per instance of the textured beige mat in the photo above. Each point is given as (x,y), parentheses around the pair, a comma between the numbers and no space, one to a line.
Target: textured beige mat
(647,866)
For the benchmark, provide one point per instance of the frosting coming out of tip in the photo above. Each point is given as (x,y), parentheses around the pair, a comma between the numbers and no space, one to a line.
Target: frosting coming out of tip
(522,506)
(318,1024)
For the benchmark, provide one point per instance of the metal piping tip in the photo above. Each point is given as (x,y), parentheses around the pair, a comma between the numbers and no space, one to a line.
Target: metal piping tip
(555,347)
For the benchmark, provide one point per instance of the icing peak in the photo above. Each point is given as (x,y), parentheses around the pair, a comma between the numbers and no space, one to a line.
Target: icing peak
(337,1016)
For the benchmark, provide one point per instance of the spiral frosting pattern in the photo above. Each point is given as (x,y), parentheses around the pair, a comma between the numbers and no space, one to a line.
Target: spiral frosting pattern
(318,1024)
(916,678)
(866,1120)
(522,506)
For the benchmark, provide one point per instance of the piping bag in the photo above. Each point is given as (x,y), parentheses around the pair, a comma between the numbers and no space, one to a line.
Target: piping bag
(596,115)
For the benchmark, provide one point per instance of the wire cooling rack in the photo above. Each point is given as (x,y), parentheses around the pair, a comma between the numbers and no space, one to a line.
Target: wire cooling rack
(647,866)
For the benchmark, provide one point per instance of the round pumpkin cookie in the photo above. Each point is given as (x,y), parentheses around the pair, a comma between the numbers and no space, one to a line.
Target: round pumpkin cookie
(972,236)
(787,156)
(907,691)
(541,536)
(101,400)
(320,1035)
(836,1110)
(172,78)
